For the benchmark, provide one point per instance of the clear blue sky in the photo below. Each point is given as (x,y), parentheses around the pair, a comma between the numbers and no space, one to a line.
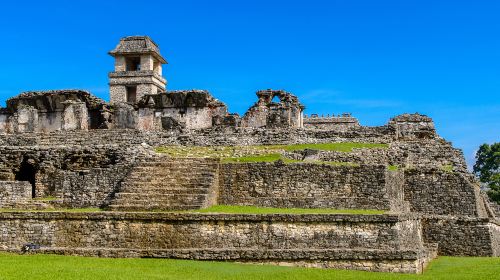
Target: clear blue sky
(375,59)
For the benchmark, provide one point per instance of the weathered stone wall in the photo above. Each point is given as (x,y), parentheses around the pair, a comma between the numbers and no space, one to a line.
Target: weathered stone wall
(344,121)
(305,186)
(439,192)
(462,236)
(205,137)
(80,176)
(372,238)
(14,193)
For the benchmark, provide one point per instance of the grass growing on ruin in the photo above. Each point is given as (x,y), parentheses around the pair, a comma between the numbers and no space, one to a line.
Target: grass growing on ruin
(45,267)
(447,168)
(339,147)
(270,151)
(45,198)
(393,167)
(264,153)
(238,209)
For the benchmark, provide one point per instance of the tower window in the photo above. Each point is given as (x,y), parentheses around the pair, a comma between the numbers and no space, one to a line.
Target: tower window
(131,94)
(133,63)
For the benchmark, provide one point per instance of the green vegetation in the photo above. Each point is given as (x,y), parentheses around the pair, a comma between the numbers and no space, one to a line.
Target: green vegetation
(339,147)
(268,153)
(237,209)
(393,167)
(45,267)
(72,210)
(45,198)
(447,168)
(487,168)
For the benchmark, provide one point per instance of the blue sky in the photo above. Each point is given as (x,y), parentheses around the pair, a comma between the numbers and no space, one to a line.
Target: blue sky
(375,59)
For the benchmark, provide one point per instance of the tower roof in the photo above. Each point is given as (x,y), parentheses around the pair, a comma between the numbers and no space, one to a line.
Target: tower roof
(137,45)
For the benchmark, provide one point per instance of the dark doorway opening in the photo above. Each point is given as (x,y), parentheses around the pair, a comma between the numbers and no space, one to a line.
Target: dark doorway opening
(27,172)
(132,94)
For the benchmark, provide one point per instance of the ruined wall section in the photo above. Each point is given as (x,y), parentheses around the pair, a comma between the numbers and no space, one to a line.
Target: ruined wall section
(438,192)
(306,186)
(283,114)
(77,176)
(171,111)
(463,236)
(413,126)
(14,194)
(365,242)
(46,111)
(344,121)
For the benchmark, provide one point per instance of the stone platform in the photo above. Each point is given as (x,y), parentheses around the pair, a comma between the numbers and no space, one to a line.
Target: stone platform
(387,242)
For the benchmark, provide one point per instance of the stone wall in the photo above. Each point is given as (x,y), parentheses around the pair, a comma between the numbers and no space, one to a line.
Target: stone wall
(374,240)
(439,192)
(80,176)
(305,185)
(345,121)
(462,236)
(14,193)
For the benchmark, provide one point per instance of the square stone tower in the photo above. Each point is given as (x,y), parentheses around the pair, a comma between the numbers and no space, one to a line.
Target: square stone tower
(138,70)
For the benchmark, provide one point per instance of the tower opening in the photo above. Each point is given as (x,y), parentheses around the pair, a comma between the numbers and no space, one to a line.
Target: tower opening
(133,63)
(27,172)
(131,94)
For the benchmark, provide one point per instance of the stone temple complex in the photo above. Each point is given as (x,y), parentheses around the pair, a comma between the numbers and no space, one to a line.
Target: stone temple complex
(148,165)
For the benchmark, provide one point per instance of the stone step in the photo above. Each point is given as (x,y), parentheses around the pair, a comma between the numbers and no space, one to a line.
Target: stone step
(148,176)
(141,207)
(167,190)
(161,197)
(166,182)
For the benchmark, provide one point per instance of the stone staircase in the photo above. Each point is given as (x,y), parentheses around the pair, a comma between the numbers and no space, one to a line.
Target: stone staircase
(162,183)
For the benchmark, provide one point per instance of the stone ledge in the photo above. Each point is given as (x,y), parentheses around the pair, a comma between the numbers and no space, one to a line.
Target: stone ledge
(165,216)
(402,261)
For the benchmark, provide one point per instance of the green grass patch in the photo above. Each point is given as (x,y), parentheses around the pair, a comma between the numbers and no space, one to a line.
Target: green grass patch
(45,267)
(339,147)
(447,168)
(252,158)
(393,167)
(238,209)
(45,198)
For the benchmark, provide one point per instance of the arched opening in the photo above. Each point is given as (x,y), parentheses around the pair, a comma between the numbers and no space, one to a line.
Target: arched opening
(276,99)
(27,172)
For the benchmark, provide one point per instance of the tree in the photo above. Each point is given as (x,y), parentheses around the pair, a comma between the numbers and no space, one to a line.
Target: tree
(487,168)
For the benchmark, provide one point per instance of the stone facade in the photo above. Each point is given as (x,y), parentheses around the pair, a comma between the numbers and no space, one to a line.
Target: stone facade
(305,185)
(138,70)
(269,114)
(387,242)
(69,149)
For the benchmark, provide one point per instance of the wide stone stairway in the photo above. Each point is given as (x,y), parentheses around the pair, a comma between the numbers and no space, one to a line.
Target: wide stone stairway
(162,183)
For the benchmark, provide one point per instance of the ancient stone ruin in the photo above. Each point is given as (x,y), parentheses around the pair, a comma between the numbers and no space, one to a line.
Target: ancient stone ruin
(150,159)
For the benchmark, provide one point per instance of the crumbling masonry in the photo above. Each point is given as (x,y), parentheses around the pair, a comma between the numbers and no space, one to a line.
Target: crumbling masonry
(69,149)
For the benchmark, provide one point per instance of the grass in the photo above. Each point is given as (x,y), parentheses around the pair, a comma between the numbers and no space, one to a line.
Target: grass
(45,198)
(447,168)
(339,147)
(237,209)
(263,153)
(393,167)
(45,267)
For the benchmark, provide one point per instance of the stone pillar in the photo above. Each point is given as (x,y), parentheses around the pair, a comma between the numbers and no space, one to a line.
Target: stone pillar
(125,116)
(75,116)
(26,119)
(147,62)
(120,65)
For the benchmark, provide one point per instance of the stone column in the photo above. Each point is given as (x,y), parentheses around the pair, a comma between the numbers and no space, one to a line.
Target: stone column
(75,116)
(26,119)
